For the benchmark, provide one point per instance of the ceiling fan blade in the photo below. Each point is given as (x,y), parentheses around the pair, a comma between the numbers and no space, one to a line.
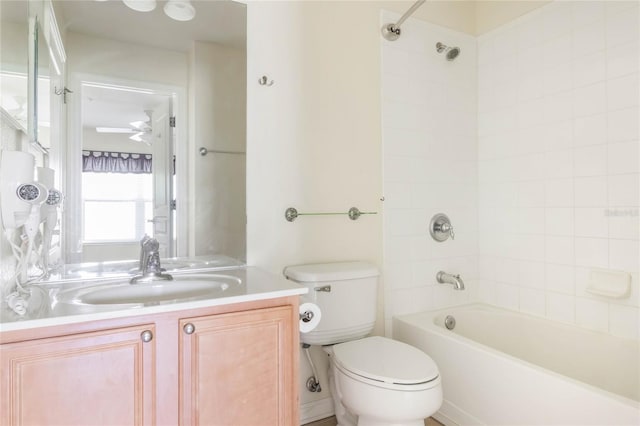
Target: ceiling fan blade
(115,130)
(142,126)
(141,137)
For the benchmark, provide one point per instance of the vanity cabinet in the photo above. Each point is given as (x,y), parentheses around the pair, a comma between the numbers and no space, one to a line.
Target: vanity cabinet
(235,368)
(104,377)
(224,365)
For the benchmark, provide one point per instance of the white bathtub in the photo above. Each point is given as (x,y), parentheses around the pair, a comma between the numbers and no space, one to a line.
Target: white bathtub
(501,367)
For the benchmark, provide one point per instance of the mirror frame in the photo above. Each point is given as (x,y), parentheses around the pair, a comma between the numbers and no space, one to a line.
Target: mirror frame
(43,27)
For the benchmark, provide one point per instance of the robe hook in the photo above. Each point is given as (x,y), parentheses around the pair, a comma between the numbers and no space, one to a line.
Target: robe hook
(264,81)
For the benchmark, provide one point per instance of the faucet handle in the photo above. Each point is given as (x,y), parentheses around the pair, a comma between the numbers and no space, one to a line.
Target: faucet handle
(440,228)
(447,228)
(144,240)
(151,244)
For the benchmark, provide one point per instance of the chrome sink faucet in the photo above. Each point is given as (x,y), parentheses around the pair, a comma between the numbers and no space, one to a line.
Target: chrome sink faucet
(143,241)
(444,278)
(150,268)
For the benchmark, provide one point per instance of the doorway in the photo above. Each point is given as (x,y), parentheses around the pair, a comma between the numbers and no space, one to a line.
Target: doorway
(123,184)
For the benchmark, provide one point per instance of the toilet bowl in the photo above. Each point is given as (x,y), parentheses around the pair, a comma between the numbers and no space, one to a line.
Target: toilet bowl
(382,382)
(374,381)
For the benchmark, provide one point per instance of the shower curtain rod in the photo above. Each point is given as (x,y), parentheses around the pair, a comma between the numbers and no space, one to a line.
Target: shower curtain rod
(392,31)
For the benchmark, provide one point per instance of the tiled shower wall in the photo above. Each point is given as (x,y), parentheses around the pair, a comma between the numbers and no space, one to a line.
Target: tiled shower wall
(542,188)
(559,161)
(430,166)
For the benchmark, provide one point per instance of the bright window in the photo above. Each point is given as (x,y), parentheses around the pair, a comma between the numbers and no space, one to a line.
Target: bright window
(116,206)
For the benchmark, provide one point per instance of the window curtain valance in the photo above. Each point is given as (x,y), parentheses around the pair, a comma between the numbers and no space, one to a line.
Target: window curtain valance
(115,162)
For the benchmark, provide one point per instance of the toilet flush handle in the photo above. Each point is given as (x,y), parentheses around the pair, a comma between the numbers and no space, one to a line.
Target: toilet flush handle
(325,288)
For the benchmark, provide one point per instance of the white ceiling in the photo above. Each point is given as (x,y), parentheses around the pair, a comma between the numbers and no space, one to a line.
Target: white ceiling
(218,21)
(107,107)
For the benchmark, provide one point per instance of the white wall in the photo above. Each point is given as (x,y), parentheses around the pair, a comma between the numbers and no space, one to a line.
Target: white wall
(314,136)
(218,104)
(95,55)
(14,42)
(558,162)
(430,166)
(314,140)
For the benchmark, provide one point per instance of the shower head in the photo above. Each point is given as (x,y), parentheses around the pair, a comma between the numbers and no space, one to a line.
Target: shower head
(451,52)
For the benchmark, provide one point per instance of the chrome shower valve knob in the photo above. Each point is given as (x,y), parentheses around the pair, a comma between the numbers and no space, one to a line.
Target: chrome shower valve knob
(447,229)
(440,228)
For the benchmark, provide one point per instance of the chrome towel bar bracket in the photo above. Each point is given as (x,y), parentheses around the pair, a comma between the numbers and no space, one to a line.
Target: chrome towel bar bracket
(354,213)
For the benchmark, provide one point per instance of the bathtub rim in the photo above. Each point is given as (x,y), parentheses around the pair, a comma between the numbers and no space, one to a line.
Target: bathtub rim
(458,338)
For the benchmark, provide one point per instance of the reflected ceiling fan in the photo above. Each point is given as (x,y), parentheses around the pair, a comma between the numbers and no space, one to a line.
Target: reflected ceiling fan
(141,129)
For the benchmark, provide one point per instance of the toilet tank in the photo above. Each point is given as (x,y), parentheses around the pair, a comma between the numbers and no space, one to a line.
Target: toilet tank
(346,293)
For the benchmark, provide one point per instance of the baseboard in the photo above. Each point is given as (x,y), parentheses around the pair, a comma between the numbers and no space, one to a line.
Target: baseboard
(316,410)
(451,415)
(445,420)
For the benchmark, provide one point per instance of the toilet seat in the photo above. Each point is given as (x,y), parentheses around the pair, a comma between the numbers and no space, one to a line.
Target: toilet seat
(386,363)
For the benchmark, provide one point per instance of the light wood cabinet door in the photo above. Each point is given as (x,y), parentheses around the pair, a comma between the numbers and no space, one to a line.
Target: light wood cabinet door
(98,378)
(238,369)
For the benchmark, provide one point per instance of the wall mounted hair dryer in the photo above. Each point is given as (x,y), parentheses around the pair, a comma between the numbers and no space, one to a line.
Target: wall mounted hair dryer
(20,197)
(48,213)
(20,203)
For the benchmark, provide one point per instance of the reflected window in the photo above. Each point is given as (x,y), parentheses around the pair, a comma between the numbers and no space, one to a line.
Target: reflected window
(116,206)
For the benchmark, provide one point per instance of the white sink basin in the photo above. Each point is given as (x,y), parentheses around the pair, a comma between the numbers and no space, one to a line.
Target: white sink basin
(182,288)
(151,292)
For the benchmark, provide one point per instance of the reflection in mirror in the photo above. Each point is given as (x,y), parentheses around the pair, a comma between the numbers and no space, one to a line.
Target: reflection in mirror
(200,63)
(127,171)
(42,129)
(14,30)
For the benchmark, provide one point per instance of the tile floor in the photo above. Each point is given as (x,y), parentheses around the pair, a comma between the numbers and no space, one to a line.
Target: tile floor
(331,421)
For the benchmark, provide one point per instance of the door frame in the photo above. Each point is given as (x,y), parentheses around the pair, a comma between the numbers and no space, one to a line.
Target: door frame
(72,232)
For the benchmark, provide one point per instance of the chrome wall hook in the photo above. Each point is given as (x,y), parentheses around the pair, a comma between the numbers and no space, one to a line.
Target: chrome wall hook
(264,81)
(62,91)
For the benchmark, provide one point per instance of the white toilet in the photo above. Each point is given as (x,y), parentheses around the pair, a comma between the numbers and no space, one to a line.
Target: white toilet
(374,381)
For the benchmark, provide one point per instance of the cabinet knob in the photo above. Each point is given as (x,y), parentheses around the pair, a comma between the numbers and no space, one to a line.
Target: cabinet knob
(189,328)
(146,336)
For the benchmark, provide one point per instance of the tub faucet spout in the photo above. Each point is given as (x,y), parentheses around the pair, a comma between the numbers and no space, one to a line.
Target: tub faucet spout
(444,278)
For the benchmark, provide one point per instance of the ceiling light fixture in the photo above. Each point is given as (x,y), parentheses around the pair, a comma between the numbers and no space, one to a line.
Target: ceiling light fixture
(141,5)
(180,10)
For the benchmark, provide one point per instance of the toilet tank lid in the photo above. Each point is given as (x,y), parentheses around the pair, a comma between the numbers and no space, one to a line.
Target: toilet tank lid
(319,272)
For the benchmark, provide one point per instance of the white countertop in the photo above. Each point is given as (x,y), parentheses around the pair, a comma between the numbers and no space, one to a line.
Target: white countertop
(256,285)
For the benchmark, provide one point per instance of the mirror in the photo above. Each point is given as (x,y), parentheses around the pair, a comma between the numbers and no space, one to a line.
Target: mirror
(26,83)
(161,88)
(14,39)
(42,128)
